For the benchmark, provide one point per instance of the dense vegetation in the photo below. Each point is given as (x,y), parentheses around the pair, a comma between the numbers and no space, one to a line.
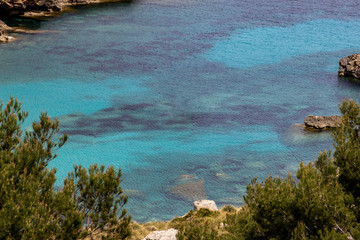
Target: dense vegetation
(322,202)
(31,207)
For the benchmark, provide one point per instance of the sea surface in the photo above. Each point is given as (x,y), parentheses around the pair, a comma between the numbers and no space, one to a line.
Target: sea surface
(191,99)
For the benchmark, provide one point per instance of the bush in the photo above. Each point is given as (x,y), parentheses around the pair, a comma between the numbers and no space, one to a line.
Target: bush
(31,208)
(229,209)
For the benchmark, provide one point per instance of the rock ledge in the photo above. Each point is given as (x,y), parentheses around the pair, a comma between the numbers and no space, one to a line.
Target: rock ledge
(322,122)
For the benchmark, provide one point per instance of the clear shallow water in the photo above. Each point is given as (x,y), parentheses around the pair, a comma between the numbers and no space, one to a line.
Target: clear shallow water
(191,99)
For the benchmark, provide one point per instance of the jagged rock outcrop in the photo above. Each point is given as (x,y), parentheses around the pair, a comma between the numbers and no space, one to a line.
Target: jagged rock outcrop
(350,66)
(39,7)
(322,122)
(3,33)
(169,234)
(20,7)
(209,204)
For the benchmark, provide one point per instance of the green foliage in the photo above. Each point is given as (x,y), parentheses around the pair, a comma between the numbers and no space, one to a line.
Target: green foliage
(275,199)
(347,150)
(202,224)
(229,209)
(98,196)
(204,212)
(314,207)
(197,230)
(31,208)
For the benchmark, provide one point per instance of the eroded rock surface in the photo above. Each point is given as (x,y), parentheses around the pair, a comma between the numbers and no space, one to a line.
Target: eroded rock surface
(3,33)
(322,122)
(209,204)
(169,234)
(350,66)
(19,7)
(40,7)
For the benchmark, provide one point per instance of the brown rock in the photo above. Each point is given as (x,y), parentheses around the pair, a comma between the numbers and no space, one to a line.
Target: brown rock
(350,66)
(322,122)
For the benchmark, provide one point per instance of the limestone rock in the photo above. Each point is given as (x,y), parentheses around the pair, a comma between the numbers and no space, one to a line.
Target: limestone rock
(350,66)
(322,122)
(209,204)
(3,33)
(169,234)
(6,39)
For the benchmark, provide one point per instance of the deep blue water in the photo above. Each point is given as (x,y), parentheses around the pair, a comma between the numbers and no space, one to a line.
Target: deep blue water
(192,99)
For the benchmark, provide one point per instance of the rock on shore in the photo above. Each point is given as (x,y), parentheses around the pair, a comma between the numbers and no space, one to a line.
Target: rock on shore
(169,234)
(208,204)
(350,66)
(322,122)
(19,7)
(40,7)
(3,33)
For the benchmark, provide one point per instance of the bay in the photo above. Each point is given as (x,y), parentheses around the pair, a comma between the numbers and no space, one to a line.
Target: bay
(177,92)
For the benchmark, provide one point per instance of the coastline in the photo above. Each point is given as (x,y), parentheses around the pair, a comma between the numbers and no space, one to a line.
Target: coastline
(36,11)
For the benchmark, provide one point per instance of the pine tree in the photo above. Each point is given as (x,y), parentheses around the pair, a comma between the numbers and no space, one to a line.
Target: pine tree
(347,151)
(31,207)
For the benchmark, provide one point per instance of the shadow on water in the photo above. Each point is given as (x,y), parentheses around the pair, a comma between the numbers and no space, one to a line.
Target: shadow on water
(348,82)
(107,5)
(29,23)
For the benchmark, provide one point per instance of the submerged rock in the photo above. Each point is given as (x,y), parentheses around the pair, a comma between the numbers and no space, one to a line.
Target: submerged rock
(134,194)
(189,191)
(322,122)
(209,204)
(169,234)
(350,66)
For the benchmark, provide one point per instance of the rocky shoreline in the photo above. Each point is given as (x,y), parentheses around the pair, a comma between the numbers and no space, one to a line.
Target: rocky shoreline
(4,29)
(348,67)
(33,9)
(11,8)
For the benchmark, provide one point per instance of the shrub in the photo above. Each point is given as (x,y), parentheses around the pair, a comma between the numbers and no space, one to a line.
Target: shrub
(31,207)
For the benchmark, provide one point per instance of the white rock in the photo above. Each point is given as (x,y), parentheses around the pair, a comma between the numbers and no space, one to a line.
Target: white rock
(169,234)
(209,204)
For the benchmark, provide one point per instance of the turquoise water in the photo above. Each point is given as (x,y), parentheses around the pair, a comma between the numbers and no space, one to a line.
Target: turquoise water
(191,99)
